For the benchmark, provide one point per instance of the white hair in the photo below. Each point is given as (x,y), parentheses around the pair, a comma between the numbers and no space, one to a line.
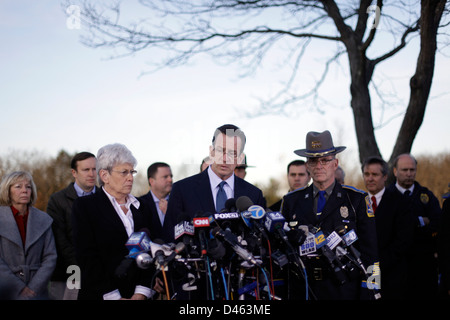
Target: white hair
(112,155)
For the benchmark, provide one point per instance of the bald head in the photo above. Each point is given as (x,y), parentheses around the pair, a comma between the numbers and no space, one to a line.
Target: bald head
(405,168)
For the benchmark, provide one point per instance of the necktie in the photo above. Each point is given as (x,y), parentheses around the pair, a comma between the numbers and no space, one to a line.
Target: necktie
(321,201)
(374,203)
(221,197)
(407,193)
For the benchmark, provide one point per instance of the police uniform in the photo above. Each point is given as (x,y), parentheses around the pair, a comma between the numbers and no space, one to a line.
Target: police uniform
(346,207)
(423,265)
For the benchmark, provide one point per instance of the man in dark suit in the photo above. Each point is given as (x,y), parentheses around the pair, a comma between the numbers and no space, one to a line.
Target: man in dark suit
(326,206)
(395,228)
(207,191)
(83,167)
(159,177)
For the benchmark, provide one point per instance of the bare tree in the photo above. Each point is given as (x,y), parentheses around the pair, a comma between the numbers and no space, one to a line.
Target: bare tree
(247,31)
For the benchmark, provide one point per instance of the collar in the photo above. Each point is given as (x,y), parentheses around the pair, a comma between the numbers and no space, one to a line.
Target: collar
(16,212)
(214,180)
(402,190)
(328,190)
(80,192)
(378,196)
(156,199)
(131,200)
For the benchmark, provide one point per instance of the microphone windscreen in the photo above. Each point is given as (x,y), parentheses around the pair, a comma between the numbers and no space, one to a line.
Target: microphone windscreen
(230,205)
(243,203)
(216,249)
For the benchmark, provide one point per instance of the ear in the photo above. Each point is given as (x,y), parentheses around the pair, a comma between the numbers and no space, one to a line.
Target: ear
(211,152)
(395,172)
(74,173)
(104,176)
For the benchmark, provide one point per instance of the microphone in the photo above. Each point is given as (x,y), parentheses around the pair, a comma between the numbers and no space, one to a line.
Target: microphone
(275,223)
(230,205)
(232,240)
(253,218)
(330,257)
(243,203)
(138,242)
(216,249)
(184,228)
(201,224)
(144,260)
(349,238)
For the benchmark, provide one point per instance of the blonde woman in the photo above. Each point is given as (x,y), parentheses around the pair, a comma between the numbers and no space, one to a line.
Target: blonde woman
(27,246)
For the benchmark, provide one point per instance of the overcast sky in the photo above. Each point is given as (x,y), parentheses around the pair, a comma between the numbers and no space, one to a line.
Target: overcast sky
(58,94)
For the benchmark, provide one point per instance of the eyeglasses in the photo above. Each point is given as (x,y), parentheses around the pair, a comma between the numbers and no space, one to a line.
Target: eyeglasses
(125,173)
(230,154)
(313,162)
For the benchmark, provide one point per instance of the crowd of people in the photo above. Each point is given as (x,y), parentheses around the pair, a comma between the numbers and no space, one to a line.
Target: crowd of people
(325,240)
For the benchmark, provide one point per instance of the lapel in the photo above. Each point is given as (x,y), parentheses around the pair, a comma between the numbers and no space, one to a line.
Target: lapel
(70,192)
(306,202)
(8,227)
(109,214)
(239,188)
(204,193)
(38,223)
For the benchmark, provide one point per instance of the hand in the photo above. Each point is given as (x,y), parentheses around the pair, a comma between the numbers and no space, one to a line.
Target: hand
(138,296)
(27,293)
(159,286)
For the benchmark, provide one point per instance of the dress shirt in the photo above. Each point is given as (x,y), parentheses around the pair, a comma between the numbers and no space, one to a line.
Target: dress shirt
(80,192)
(402,190)
(127,220)
(214,180)
(161,214)
(378,196)
(328,192)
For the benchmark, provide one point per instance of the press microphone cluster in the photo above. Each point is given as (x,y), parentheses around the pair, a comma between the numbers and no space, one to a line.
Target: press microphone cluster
(211,247)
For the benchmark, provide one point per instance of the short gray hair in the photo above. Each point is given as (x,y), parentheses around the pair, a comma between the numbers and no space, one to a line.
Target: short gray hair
(112,155)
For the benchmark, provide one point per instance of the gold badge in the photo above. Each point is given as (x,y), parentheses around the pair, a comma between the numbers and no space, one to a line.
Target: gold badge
(424,198)
(344,212)
(316,144)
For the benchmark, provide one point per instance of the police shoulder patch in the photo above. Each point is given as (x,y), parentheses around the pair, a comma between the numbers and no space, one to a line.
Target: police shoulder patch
(369,209)
(353,188)
(296,190)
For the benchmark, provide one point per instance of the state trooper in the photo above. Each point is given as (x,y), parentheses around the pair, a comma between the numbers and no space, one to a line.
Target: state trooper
(328,208)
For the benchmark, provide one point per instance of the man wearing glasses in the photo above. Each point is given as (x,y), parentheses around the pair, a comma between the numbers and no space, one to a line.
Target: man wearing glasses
(325,207)
(208,191)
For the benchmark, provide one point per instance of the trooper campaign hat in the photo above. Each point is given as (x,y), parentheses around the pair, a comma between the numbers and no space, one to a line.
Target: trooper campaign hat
(319,144)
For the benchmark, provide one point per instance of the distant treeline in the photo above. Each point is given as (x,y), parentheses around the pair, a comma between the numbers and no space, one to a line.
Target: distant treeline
(53,174)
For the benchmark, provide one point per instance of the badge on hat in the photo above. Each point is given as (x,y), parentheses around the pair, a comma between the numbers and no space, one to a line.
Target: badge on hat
(319,144)
(344,212)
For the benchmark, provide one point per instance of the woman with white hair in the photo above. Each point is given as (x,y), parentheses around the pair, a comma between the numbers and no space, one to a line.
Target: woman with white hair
(103,222)
(27,246)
